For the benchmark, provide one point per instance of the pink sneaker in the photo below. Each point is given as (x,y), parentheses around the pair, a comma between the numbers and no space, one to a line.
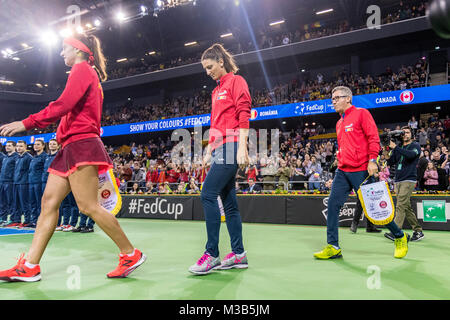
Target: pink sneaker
(232,260)
(205,264)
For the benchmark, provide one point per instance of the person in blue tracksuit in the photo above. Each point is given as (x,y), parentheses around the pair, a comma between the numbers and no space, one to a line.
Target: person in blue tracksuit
(2,196)
(66,211)
(86,224)
(7,207)
(53,148)
(21,191)
(35,181)
(70,214)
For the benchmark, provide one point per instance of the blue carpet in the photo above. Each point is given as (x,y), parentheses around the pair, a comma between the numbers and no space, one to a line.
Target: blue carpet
(13,231)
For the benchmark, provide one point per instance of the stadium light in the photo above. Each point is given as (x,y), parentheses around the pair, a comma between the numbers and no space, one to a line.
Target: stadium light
(226,35)
(88,25)
(25,46)
(97,22)
(324,11)
(8,82)
(16,58)
(49,38)
(276,22)
(80,29)
(122,60)
(152,53)
(120,16)
(65,33)
(143,9)
(190,43)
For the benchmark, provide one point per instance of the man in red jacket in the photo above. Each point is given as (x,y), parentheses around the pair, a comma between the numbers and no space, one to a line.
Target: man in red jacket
(173,174)
(358,148)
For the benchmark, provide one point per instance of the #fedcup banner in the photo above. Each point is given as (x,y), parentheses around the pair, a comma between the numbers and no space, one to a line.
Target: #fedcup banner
(377,203)
(108,192)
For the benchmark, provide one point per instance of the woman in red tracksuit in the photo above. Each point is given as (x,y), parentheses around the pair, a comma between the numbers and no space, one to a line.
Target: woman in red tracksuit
(81,159)
(230,114)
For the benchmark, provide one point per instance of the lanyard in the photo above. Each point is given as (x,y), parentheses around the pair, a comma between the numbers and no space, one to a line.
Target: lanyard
(399,167)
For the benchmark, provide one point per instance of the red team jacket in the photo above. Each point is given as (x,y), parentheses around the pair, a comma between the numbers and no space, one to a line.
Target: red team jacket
(358,140)
(79,107)
(231,104)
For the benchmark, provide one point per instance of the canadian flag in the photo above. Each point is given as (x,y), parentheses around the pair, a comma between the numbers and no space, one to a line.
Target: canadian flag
(407,96)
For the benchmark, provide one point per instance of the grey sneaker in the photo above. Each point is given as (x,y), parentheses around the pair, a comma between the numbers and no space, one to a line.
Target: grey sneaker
(417,236)
(4,223)
(233,260)
(205,264)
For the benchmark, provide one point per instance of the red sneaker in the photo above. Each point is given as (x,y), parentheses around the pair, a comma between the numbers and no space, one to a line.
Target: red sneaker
(20,272)
(127,264)
(12,225)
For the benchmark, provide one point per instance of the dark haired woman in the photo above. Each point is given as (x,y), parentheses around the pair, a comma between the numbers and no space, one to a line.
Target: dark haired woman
(227,149)
(81,159)
(35,181)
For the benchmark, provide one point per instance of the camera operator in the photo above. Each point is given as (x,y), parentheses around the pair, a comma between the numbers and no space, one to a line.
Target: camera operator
(405,158)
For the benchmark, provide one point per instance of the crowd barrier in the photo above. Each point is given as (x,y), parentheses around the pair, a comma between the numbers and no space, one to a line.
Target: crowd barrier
(432,211)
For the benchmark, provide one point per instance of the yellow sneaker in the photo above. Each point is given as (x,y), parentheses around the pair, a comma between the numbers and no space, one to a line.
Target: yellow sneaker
(401,246)
(329,252)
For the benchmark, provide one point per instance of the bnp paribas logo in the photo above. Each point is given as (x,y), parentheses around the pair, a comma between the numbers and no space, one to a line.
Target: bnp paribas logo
(434,211)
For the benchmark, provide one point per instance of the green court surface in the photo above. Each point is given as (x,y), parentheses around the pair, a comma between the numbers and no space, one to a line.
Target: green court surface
(281,265)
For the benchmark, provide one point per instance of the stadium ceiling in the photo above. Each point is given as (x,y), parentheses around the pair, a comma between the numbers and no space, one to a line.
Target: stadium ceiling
(135,27)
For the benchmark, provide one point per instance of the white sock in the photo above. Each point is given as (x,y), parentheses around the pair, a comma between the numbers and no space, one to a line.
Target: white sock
(337,248)
(29,265)
(129,255)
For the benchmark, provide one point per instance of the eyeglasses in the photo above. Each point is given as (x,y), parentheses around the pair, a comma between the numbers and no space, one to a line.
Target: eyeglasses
(337,98)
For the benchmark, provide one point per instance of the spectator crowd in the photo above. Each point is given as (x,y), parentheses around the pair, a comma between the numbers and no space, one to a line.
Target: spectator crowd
(317,88)
(240,44)
(271,38)
(305,162)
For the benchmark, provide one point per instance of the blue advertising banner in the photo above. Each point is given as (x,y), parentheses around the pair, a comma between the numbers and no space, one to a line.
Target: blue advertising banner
(368,101)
